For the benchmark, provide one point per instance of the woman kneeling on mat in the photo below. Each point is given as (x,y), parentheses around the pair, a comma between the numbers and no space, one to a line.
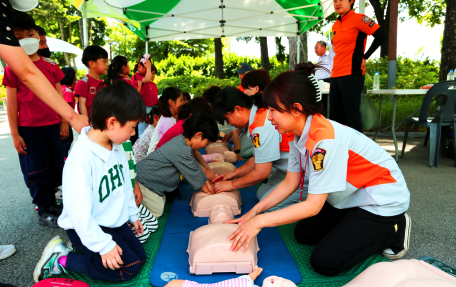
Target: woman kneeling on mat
(270,148)
(357,196)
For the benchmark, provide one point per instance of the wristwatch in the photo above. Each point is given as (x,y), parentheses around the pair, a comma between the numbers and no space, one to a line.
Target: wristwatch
(237,151)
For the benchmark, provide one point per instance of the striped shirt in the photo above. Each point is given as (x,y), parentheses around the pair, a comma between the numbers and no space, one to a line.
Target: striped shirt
(160,171)
(243,281)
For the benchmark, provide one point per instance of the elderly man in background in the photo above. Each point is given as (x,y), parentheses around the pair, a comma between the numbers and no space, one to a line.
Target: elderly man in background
(324,60)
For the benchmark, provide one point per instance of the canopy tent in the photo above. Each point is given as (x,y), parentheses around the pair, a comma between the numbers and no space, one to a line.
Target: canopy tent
(197,19)
(56,45)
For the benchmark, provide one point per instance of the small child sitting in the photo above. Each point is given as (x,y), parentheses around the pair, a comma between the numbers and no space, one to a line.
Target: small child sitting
(160,171)
(141,146)
(98,198)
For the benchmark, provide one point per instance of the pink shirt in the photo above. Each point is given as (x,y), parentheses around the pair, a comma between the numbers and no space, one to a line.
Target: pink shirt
(174,131)
(87,87)
(68,95)
(149,91)
(33,112)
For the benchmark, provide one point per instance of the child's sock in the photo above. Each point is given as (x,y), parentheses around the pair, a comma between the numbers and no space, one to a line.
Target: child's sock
(62,261)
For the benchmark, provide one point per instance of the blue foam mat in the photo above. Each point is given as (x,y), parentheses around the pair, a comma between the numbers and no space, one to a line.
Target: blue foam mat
(171,261)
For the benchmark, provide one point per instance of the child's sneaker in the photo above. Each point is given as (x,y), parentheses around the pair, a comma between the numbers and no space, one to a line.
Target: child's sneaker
(48,219)
(401,246)
(49,262)
(6,251)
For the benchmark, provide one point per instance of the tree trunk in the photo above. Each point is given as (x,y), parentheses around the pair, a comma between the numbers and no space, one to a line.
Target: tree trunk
(293,51)
(62,37)
(219,73)
(383,20)
(81,31)
(448,60)
(89,30)
(264,53)
(71,42)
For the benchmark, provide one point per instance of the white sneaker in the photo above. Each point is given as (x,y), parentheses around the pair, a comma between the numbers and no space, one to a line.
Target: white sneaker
(6,251)
(49,262)
(401,246)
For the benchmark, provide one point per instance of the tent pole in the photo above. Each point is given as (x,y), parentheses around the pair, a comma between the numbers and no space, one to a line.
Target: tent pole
(362,6)
(147,45)
(84,24)
(298,49)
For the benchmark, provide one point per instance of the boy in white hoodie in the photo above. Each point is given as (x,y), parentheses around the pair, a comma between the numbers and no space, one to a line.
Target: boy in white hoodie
(98,198)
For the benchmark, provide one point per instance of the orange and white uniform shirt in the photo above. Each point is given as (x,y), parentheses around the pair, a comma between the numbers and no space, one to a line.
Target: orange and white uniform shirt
(268,144)
(350,167)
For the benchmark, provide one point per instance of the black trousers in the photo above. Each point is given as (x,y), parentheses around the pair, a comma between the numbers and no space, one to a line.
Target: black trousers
(42,166)
(345,100)
(345,237)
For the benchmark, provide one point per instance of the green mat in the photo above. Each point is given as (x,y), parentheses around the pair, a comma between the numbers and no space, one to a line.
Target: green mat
(301,254)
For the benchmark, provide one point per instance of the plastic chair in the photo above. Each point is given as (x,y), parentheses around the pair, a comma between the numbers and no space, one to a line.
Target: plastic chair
(435,124)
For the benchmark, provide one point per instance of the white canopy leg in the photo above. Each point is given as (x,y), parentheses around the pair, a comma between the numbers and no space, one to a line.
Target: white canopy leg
(298,50)
(362,6)
(147,45)
(84,24)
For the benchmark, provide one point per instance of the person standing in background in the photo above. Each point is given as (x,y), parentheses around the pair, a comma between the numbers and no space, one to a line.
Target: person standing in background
(323,61)
(347,79)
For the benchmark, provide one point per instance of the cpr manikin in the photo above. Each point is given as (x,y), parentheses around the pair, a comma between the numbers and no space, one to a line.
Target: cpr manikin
(226,156)
(209,251)
(202,203)
(217,147)
(222,167)
(220,213)
(403,273)
(242,281)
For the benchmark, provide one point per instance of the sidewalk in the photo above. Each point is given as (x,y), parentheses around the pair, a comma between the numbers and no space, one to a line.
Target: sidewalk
(432,209)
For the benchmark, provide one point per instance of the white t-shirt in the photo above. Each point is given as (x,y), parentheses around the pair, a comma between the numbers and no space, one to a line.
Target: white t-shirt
(96,191)
(350,167)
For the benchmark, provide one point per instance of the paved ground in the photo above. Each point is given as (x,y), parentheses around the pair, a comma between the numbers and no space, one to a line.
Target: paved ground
(433,209)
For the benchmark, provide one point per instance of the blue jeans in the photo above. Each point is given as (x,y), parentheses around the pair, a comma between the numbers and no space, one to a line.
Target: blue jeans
(143,125)
(90,264)
(42,166)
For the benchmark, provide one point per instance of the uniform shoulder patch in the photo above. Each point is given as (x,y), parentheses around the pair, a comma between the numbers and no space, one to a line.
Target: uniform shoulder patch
(50,61)
(371,24)
(68,90)
(366,19)
(318,159)
(85,79)
(256,140)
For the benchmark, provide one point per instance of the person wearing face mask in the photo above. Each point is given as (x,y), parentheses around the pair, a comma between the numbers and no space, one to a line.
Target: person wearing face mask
(12,53)
(36,129)
(43,49)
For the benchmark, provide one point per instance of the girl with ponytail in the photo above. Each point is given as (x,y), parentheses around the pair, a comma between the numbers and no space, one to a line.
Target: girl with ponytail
(357,194)
(119,70)
(270,148)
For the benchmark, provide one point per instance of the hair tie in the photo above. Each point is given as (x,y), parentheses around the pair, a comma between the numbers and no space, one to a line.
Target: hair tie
(316,86)
(144,58)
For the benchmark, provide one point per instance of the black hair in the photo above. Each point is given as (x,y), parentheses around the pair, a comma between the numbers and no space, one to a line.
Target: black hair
(352,5)
(311,67)
(290,87)
(209,94)
(155,111)
(201,123)
(255,78)
(186,96)
(322,43)
(152,66)
(40,31)
(93,53)
(119,100)
(22,21)
(229,98)
(70,75)
(115,68)
(169,93)
(197,105)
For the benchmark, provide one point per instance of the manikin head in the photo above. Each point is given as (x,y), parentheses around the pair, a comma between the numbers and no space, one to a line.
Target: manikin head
(220,213)
(275,281)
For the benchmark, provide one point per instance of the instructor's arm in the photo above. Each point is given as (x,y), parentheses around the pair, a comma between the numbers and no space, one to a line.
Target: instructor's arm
(29,74)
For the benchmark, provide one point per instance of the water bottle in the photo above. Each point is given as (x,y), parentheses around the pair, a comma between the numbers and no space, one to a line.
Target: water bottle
(450,76)
(377,81)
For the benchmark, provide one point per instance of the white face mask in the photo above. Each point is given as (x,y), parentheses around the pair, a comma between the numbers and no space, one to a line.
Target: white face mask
(30,45)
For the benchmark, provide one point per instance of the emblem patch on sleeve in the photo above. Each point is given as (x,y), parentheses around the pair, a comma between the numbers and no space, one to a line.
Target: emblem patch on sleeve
(318,159)
(366,19)
(256,140)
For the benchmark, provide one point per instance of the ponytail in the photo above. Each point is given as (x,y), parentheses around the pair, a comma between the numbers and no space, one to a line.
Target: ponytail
(169,93)
(155,111)
(115,68)
(229,98)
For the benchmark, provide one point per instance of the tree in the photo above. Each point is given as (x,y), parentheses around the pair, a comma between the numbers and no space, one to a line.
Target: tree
(293,51)
(429,12)
(219,73)
(263,41)
(448,59)
(280,54)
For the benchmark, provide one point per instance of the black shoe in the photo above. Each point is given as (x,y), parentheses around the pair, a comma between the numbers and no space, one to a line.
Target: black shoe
(48,219)
(401,246)
(55,209)
(170,196)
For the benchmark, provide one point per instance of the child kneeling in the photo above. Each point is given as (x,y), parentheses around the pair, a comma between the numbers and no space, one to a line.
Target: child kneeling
(98,198)
(159,173)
